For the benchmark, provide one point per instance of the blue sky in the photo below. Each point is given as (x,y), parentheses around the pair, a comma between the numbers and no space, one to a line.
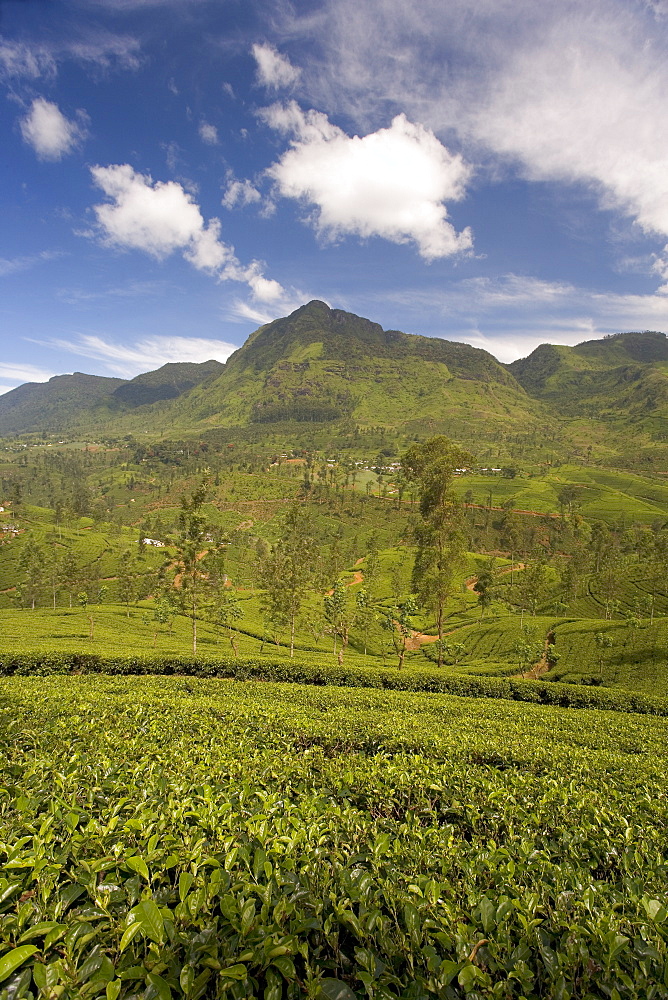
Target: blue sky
(175,172)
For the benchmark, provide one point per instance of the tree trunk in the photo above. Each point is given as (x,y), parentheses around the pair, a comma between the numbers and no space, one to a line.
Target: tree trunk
(440,635)
(292,636)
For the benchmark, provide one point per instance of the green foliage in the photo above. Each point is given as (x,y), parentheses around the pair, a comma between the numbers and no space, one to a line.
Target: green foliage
(176,845)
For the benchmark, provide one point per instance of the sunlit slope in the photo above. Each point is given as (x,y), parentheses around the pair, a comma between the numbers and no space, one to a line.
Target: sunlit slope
(322,364)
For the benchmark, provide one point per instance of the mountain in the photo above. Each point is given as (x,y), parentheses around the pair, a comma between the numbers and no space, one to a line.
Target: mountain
(619,378)
(53,405)
(68,401)
(168,382)
(330,370)
(322,365)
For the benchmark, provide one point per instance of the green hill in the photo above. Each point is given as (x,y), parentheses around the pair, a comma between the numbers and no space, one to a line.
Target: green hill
(68,401)
(322,365)
(621,375)
(314,378)
(168,382)
(53,405)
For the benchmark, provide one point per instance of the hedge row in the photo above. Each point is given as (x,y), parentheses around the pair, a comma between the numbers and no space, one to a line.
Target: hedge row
(295,672)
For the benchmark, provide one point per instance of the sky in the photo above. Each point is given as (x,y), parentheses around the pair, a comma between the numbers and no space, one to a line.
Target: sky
(174,173)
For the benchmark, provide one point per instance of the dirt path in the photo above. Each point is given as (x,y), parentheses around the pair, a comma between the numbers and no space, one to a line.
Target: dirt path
(179,576)
(472,580)
(358,577)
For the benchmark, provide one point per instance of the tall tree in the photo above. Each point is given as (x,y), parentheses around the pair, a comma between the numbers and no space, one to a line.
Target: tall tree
(440,536)
(341,613)
(31,568)
(190,546)
(288,570)
(485,585)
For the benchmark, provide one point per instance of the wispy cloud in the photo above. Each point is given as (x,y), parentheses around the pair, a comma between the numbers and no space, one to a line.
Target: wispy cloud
(100,50)
(13,265)
(511,315)
(209,134)
(128,360)
(131,290)
(568,92)
(274,70)
(17,373)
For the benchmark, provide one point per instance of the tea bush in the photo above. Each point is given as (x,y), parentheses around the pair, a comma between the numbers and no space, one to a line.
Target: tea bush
(168,837)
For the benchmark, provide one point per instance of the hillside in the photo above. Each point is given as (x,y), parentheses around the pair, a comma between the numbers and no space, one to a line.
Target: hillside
(67,401)
(53,405)
(168,382)
(313,378)
(626,372)
(322,365)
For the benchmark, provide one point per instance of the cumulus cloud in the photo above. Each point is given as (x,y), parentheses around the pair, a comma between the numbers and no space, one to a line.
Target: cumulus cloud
(128,360)
(273,70)
(568,92)
(161,218)
(49,132)
(392,183)
(209,134)
(158,218)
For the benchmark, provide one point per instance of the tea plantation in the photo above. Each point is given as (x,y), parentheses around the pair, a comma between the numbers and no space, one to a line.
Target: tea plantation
(203,838)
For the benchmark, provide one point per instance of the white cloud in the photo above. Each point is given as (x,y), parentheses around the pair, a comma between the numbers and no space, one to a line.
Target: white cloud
(158,218)
(392,183)
(20,60)
(128,360)
(161,218)
(49,132)
(572,92)
(238,194)
(209,134)
(98,49)
(274,70)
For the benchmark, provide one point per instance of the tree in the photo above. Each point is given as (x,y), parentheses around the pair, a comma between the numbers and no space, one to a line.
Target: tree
(397,622)
(288,571)
(31,566)
(527,650)
(69,573)
(82,598)
(453,651)
(604,641)
(341,615)
(485,586)
(440,537)
(532,586)
(189,549)
(228,612)
(127,587)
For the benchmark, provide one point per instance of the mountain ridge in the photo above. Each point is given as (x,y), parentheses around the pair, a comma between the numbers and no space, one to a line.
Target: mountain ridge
(328,367)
